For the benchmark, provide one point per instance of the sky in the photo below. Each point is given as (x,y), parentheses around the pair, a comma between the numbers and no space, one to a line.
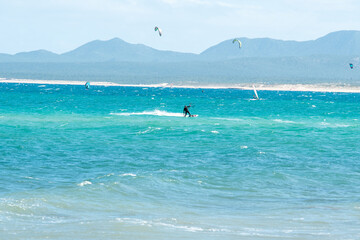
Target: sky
(188,25)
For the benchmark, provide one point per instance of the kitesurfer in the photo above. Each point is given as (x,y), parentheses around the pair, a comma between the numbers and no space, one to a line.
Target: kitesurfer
(186,110)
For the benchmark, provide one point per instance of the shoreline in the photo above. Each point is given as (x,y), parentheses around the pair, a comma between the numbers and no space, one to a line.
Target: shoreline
(241,86)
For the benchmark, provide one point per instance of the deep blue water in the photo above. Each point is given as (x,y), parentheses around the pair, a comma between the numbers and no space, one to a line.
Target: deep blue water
(122,163)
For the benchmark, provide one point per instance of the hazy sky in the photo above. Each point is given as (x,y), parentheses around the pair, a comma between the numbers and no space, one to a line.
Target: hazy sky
(188,25)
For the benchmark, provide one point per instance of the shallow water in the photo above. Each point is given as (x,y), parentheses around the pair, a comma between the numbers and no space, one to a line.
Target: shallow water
(122,163)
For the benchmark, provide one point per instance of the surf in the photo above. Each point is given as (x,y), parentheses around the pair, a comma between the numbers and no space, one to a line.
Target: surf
(150,113)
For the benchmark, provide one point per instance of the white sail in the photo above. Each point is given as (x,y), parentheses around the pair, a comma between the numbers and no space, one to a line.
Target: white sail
(256,95)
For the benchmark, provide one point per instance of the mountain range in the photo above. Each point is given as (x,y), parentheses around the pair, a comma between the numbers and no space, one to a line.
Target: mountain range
(325,59)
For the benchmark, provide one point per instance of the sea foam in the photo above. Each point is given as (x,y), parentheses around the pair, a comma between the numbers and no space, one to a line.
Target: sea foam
(150,113)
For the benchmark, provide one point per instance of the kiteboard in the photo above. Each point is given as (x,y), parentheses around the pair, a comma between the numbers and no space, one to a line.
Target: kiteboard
(194,115)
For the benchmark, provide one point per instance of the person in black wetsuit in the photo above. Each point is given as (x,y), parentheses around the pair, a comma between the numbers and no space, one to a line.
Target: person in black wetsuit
(186,111)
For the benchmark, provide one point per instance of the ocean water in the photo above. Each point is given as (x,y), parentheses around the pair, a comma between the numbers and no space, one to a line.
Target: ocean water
(122,163)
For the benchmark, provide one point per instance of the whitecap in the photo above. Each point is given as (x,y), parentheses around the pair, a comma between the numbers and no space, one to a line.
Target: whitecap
(129,174)
(133,221)
(107,175)
(283,121)
(342,125)
(215,132)
(243,147)
(150,129)
(142,222)
(186,228)
(84,183)
(31,178)
(228,119)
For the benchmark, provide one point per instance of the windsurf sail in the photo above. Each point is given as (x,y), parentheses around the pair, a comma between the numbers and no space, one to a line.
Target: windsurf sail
(256,96)
(87,85)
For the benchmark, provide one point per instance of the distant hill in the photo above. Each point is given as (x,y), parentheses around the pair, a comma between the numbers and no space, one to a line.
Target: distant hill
(36,56)
(325,59)
(114,50)
(5,57)
(119,50)
(341,43)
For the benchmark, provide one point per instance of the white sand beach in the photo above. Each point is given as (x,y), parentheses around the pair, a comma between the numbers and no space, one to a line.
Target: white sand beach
(330,87)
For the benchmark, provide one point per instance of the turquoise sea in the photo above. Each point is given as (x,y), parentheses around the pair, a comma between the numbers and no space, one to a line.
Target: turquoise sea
(122,163)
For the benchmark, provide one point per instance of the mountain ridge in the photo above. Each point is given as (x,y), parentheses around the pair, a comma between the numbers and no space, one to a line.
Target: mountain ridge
(340,43)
